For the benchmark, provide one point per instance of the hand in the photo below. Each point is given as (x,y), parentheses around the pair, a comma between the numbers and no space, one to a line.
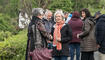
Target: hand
(98,46)
(51,37)
(78,35)
(48,41)
(58,39)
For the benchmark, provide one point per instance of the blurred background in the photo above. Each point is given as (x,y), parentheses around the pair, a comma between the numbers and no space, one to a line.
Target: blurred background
(13,39)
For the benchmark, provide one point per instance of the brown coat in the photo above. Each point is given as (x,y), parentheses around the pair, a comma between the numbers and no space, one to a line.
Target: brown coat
(88,42)
(37,36)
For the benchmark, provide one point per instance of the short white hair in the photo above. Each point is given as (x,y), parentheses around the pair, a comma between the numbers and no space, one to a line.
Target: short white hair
(46,13)
(37,11)
(58,12)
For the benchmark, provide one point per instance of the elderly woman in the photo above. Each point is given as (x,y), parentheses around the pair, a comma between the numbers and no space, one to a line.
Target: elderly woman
(36,34)
(61,36)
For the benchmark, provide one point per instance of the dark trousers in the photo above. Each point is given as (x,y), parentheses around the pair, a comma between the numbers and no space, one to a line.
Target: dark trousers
(87,55)
(60,58)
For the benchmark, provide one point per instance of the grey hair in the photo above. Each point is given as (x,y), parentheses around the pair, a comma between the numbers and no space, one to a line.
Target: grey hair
(37,11)
(46,13)
(58,12)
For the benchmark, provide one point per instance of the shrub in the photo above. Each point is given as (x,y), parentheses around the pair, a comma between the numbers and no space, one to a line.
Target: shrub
(6,23)
(4,35)
(13,48)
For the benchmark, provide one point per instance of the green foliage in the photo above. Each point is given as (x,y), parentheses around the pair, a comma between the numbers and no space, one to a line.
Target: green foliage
(102,3)
(6,23)
(65,5)
(10,7)
(103,11)
(14,47)
(4,35)
(13,8)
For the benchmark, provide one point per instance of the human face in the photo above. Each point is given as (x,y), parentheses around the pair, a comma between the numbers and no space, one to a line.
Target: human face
(66,15)
(49,16)
(58,18)
(83,14)
(40,16)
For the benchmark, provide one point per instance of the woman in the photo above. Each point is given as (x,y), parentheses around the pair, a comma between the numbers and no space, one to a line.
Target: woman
(36,33)
(61,35)
(76,25)
(88,42)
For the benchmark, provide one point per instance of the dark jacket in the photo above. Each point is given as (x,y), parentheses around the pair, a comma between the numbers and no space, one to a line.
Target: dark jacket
(88,42)
(100,33)
(36,36)
(76,25)
(66,36)
(48,25)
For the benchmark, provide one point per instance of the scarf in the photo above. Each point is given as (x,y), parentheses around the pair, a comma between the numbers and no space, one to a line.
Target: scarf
(57,35)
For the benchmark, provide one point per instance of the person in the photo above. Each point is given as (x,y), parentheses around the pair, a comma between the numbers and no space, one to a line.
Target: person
(97,15)
(48,24)
(62,34)
(100,36)
(47,20)
(23,19)
(76,25)
(68,18)
(88,42)
(66,15)
(36,33)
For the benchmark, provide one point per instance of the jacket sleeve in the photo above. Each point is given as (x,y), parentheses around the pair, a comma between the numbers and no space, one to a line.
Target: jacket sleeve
(52,30)
(43,31)
(86,29)
(100,33)
(66,34)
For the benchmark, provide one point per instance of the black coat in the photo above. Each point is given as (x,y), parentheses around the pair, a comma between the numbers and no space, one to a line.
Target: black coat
(48,25)
(100,33)
(66,36)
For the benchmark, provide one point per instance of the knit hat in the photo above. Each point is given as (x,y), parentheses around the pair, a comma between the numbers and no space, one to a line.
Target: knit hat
(97,13)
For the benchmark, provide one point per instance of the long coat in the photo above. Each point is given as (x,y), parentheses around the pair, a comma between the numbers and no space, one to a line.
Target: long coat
(37,36)
(66,36)
(88,42)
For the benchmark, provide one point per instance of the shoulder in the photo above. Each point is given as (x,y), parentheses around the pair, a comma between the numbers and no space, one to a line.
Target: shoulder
(44,20)
(90,20)
(66,27)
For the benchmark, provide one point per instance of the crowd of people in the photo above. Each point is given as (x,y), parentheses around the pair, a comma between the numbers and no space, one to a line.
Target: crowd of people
(67,34)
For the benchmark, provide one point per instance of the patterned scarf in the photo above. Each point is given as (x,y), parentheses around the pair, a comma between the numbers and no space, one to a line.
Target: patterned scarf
(57,34)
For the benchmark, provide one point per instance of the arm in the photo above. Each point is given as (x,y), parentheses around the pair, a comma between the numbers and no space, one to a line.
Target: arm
(86,29)
(66,34)
(52,31)
(43,31)
(100,33)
